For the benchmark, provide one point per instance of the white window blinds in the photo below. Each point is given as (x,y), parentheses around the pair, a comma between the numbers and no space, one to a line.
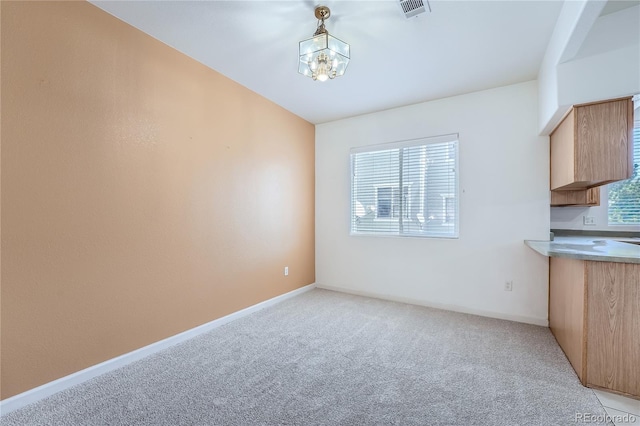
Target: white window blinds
(624,196)
(406,188)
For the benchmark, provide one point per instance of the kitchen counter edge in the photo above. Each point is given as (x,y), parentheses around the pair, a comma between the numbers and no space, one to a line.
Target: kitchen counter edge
(614,251)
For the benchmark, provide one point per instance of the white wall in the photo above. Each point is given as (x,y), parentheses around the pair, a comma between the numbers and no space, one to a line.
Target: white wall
(504,190)
(607,65)
(589,58)
(573,24)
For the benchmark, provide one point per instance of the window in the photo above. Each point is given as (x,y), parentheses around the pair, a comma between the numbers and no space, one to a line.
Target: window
(448,208)
(624,196)
(388,202)
(425,169)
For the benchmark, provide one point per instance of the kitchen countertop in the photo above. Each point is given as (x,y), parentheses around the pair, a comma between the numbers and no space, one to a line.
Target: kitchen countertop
(599,249)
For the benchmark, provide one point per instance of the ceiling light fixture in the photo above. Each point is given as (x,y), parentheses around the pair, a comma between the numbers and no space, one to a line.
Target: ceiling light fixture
(323,56)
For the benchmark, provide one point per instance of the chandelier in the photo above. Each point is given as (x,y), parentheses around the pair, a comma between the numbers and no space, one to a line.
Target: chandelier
(323,56)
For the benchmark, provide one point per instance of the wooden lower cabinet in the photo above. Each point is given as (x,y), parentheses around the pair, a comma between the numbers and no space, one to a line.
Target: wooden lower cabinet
(594,314)
(567,296)
(613,326)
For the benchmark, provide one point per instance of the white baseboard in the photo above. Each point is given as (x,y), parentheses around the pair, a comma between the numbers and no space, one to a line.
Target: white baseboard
(36,394)
(446,307)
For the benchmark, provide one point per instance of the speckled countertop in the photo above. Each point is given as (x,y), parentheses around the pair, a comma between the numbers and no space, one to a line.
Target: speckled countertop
(600,249)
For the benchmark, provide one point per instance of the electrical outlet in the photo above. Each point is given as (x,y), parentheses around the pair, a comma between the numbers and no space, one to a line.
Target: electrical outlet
(286,271)
(508,286)
(588,220)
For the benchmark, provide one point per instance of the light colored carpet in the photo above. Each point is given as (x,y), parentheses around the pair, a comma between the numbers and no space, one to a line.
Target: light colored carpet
(326,358)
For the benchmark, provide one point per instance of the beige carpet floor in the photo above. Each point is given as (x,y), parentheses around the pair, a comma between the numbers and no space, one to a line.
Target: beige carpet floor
(327,358)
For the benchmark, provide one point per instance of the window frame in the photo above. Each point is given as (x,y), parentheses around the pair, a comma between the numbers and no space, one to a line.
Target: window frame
(607,191)
(423,233)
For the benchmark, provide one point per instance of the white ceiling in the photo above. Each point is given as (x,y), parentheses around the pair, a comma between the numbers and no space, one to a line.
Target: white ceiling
(460,47)
(614,6)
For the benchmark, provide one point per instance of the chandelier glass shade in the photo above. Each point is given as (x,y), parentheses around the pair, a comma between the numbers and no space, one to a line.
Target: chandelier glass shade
(323,57)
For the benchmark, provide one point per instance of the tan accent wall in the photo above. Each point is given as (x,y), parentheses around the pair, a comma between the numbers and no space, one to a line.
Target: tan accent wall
(143,193)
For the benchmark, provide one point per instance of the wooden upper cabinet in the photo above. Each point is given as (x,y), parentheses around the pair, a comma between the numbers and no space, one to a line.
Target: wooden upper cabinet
(593,146)
(584,197)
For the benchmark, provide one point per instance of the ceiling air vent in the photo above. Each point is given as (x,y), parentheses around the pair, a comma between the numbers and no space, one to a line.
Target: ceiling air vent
(413,8)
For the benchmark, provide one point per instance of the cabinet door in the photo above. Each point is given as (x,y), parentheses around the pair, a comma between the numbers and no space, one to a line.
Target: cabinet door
(593,196)
(585,197)
(613,322)
(567,293)
(592,146)
(563,152)
(603,142)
